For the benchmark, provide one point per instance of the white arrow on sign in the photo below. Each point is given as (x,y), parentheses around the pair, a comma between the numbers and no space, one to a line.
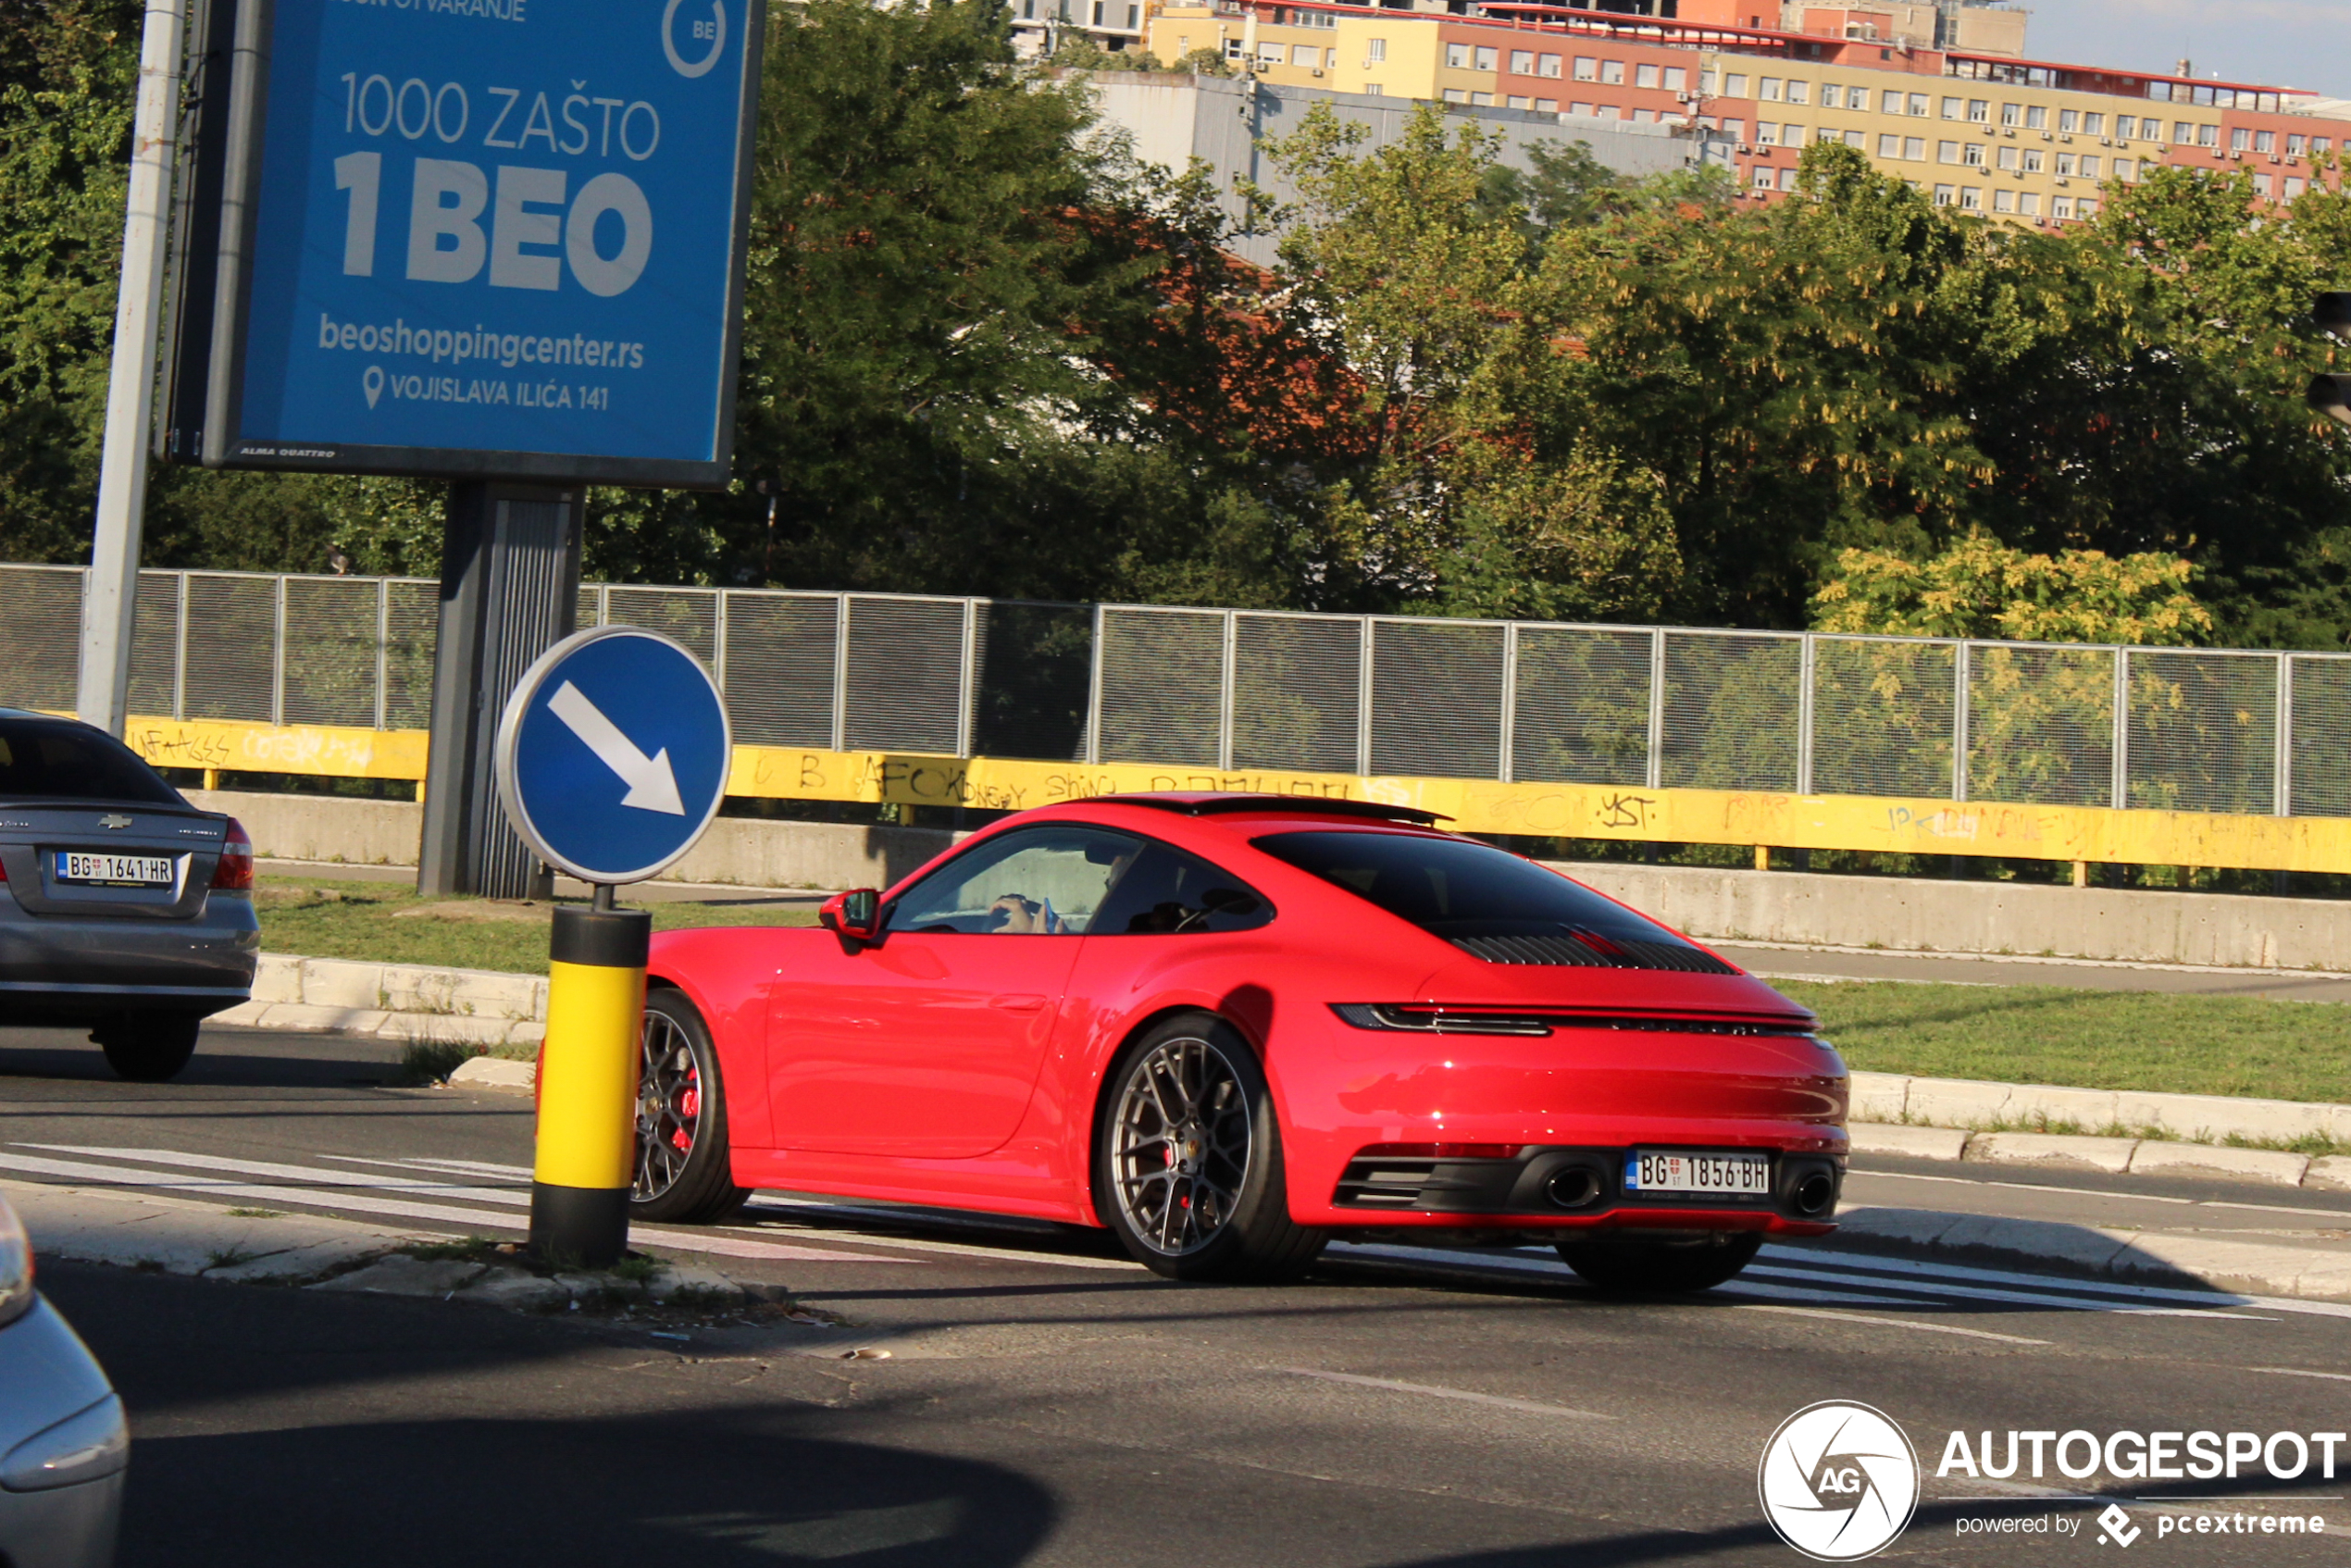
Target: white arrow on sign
(652,785)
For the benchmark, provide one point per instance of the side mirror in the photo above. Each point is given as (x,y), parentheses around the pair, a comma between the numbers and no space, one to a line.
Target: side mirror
(855,914)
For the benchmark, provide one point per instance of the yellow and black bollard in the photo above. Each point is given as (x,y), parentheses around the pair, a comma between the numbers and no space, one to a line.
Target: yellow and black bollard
(588,1084)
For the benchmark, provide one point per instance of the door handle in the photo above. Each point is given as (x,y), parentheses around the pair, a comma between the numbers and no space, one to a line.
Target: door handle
(1017,1003)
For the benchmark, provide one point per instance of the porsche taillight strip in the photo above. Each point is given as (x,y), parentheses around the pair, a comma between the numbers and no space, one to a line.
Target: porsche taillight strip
(1409,1019)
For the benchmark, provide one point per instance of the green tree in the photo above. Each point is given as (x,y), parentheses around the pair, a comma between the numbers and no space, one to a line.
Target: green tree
(1981,588)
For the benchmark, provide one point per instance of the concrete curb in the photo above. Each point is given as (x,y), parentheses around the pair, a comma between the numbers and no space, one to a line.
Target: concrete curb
(2137,1257)
(402,1001)
(2114,1156)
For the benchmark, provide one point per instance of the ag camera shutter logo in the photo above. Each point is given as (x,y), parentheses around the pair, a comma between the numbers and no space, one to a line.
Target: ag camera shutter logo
(1838,1481)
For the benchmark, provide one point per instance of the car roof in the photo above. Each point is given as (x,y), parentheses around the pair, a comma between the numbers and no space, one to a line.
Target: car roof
(1238,803)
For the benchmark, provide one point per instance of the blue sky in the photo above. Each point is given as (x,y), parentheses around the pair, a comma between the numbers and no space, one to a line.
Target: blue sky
(2289,43)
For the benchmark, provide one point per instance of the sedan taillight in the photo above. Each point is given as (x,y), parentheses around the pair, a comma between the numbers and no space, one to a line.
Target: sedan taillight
(234,874)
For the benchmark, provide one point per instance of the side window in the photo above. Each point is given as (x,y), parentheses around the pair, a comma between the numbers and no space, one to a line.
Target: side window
(1166,892)
(1042,882)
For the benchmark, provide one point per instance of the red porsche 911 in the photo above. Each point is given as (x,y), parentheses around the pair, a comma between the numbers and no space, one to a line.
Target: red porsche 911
(1238,1025)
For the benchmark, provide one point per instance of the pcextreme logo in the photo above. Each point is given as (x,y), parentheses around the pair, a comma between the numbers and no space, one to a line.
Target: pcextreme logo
(1838,1481)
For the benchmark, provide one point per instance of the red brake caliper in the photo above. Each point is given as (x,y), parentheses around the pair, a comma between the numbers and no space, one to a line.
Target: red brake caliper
(689,1108)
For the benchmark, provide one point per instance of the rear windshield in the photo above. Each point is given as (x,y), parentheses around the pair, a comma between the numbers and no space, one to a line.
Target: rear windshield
(49,759)
(1458,888)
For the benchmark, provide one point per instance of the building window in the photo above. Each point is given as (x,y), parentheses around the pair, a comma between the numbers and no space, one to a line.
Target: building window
(1832,96)
(1788,180)
(2182,132)
(1374,90)
(2125,127)
(1973,154)
(2036,118)
(1232,48)
(1452,94)
(1676,79)
(1979,111)
(1644,76)
(2240,139)
(2065,163)
(1770,89)
(1733,84)
(1891,102)
(2093,125)
(2295,186)
(1889,146)
(1550,66)
(1952,108)
(1305,54)
(1611,72)
(2004,201)
(2061,208)
(1947,152)
(1645,116)
(1799,91)
(1946,195)
(2034,162)
(1271,53)
(1457,56)
(2319,145)
(2261,186)
(1546,105)
(1481,100)
(2293,144)
(2086,207)
(2125,170)
(2208,135)
(2264,140)
(2009,157)
(1606,111)
(2011,114)
(1856,140)
(2092,167)
(1586,68)
(1487,59)
(1767,134)
(1375,49)
(1522,62)
(1918,105)
(1971,198)
(2069,119)
(1736,129)
(2029,202)
(1762,177)
(1914,148)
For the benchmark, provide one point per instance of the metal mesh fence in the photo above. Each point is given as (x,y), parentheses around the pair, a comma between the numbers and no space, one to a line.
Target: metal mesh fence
(1732,703)
(331,639)
(1882,717)
(2203,733)
(1162,687)
(39,636)
(1298,692)
(1436,698)
(2320,755)
(1581,713)
(231,647)
(1195,689)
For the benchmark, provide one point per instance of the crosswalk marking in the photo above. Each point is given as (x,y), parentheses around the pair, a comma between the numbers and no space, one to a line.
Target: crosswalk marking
(1890,1323)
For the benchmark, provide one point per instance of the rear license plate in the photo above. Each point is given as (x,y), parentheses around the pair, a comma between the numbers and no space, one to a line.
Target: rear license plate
(1739,1176)
(113,870)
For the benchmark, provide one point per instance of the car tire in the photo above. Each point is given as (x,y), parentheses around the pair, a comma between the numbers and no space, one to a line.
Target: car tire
(1656,1268)
(683,1172)
(148,1048)
(1202,1197)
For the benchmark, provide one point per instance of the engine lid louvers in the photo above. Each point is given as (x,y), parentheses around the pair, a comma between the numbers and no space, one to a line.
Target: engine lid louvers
(1589,949)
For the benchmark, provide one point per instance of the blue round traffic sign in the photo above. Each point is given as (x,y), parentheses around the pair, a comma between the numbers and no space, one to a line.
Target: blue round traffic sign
(612,755)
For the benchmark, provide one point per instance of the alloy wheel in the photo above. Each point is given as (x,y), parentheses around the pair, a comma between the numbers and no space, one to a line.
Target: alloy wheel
(669,1107)
(1180,1152)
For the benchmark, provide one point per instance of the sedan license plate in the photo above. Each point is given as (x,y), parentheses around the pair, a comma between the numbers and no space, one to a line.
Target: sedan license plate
(1737,1176)
(113,870)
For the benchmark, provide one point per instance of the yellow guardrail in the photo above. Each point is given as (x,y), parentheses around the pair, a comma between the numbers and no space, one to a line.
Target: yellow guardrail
(1571,811)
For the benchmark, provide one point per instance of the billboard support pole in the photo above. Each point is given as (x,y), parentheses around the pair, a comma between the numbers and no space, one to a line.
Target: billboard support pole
(103,687)
(509,592)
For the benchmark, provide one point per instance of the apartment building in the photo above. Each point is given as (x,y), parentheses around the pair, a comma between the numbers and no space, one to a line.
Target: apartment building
(1979,125)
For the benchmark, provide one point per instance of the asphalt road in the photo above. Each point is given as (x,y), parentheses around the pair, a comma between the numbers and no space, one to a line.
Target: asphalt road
(1045,1401)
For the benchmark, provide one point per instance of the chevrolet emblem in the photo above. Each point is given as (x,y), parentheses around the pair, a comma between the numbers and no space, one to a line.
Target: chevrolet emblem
(114,819)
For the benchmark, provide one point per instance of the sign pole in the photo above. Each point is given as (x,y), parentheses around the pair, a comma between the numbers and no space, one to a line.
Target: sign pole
(587,1145)
(104,689)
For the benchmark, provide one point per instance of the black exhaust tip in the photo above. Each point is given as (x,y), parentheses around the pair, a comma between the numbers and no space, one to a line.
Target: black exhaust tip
(1815,1194)
(1572,1187)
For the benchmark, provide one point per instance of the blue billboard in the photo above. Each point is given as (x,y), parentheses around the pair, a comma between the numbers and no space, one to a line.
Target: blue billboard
(484,238)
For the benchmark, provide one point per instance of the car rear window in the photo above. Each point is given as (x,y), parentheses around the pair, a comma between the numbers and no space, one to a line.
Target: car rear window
(1488,901)
(48,759)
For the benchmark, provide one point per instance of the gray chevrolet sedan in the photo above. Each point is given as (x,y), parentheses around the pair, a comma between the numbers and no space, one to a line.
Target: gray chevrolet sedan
(63,1442)
(123,909)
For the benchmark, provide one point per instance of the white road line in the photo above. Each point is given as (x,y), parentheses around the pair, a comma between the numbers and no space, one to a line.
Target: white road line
(367,1203)
(421,1162)
(2024,1187)
(1989,1293)
(331,1180)
(1122,1265)
(2302,1372)
(1832,1297)
(1869,1263)
(1890,1323)
(1535,1407)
